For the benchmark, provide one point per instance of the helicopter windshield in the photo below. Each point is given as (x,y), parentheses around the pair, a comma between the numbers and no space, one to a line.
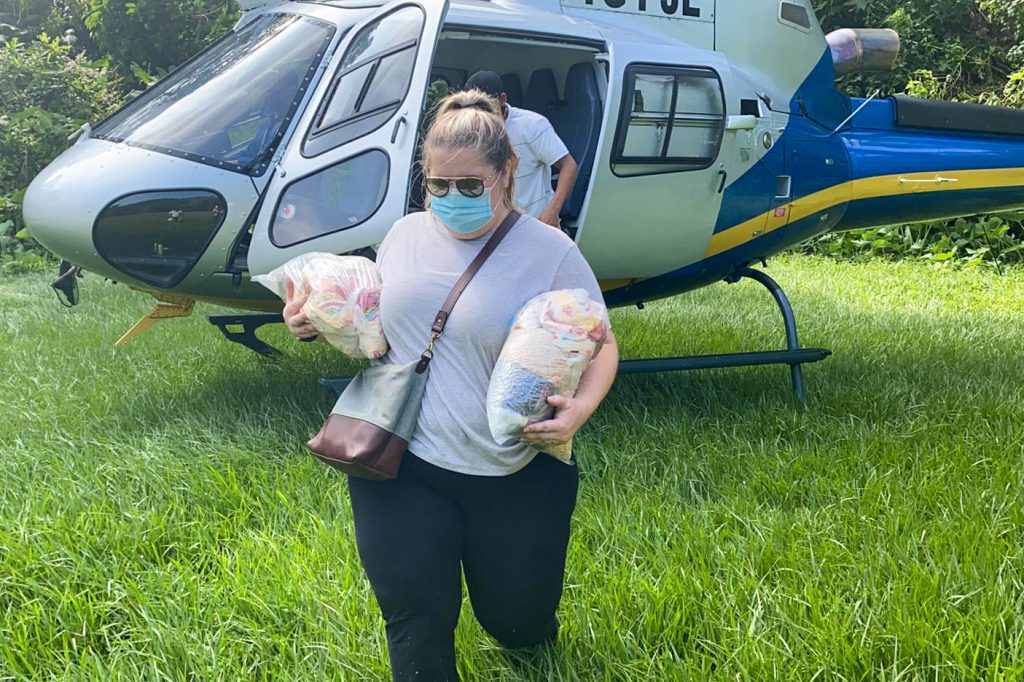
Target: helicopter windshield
(231,105)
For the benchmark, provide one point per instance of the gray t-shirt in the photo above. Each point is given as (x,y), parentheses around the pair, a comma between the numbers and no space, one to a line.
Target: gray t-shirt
(420,262)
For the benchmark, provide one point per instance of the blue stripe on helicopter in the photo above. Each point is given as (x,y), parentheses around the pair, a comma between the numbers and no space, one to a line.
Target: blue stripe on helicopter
(746,197)
(878,147)
(905,208)
(861,212)
(871,145)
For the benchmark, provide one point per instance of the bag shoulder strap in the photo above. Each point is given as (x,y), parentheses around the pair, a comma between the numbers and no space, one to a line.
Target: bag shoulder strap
(441,319)
(446,310)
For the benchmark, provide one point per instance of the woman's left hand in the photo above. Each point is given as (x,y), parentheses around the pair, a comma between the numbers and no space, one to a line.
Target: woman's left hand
(570,415)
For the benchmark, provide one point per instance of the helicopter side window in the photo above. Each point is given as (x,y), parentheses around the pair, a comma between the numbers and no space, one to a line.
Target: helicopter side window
(333,199)
(672,120)
(373,79)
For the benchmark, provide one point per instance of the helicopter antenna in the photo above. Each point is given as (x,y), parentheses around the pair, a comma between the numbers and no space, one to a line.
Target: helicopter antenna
(856,111)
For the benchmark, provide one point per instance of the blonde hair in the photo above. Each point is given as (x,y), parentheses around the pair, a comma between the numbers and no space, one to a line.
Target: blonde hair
(472,120)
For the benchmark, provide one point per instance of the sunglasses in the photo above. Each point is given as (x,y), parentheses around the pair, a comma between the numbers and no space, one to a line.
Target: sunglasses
(467,187)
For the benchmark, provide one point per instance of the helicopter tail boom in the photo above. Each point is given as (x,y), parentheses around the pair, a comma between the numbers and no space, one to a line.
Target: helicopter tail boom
(916,160)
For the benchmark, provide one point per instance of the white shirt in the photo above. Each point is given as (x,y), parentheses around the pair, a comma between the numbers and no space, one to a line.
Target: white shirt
(420,261)
(538,147)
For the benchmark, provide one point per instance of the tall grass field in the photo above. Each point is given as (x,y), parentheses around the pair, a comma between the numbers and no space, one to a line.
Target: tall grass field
(160,520)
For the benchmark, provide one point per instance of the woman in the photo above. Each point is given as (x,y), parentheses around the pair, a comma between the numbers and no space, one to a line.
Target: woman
(460,501)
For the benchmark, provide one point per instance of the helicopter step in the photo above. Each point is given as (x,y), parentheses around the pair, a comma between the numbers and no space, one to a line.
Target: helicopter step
(793,355)
(246,336)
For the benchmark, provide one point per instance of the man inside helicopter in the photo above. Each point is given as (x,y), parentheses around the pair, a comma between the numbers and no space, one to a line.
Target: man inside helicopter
(538,148)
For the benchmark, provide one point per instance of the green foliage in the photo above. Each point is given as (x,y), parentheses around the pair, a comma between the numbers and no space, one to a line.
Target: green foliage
(969,242)
(46,93)
(141,39)
(966,50)
(150,37)
(1012,94)
(26,19)
(968,42)
(1008,15)
(437,91)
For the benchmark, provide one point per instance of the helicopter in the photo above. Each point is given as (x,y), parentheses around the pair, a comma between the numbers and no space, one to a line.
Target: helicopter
(709,134)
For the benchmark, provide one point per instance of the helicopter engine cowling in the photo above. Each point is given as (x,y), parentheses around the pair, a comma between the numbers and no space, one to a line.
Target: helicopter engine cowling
(856,50)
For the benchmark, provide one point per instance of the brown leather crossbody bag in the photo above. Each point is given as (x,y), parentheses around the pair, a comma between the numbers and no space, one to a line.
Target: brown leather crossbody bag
(368,430)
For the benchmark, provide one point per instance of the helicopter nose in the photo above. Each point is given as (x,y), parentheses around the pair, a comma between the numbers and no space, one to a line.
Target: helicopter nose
(125,212)
(60,206)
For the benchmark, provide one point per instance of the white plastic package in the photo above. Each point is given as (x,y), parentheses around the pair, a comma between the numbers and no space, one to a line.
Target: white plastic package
(552,341)
(344,299)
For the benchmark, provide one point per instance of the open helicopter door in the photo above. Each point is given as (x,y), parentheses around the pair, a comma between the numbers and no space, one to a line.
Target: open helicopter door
(344,178)
(664,160)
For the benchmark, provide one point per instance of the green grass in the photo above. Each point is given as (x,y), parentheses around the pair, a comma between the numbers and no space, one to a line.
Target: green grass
(160,520)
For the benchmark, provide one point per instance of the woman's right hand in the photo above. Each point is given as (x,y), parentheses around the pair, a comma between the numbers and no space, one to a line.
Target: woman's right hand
(296,320)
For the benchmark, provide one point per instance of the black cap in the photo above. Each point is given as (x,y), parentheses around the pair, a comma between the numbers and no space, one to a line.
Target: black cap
(487,81)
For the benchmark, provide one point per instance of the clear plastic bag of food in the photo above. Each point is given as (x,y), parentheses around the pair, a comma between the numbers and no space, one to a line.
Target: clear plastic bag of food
(344,299)
(552,341)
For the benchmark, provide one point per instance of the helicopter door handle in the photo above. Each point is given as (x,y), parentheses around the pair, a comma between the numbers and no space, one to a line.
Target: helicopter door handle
(398,126)
(743,122)
(725,176)
(934,181)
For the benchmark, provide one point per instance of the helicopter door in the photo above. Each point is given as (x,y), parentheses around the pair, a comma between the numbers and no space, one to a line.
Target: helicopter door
(665,157)
(342,182)
(757,195)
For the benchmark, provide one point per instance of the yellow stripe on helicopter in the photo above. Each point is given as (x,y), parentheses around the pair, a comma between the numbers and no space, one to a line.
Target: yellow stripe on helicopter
(864,188)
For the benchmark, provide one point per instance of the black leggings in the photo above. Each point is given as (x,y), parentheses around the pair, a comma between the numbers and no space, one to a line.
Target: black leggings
(510,534)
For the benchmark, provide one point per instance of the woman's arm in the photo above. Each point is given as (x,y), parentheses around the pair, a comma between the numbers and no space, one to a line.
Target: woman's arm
(572,413)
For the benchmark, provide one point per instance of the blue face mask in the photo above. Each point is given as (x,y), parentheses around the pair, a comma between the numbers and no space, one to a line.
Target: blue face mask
(463,214)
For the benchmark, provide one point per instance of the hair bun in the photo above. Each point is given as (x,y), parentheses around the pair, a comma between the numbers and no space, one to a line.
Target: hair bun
(471,99)
(481,106)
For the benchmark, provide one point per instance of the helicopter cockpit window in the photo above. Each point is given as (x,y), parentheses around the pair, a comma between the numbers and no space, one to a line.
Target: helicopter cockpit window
(333,199)
(231,105)
(672,120)
(372,81)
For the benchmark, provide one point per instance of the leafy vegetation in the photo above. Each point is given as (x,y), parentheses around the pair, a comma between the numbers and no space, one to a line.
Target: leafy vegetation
(970,242)
(137,38)
(68,62)
(160,519)
(966,50)
(974,45)
(46,93)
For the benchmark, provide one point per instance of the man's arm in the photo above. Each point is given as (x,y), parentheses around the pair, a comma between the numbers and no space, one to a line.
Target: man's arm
(567,171)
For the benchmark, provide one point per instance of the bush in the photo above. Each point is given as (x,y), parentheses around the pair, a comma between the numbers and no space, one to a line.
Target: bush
(26,19)
(991,240)
(969,43)
(153,37)
(46,93)
(1008,15)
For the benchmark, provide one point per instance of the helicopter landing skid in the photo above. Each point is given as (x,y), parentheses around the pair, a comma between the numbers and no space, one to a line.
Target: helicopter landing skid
(249,322)
(794,356)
